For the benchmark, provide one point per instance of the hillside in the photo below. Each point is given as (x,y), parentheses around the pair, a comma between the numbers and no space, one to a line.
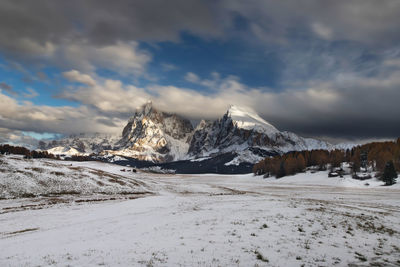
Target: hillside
(21,177)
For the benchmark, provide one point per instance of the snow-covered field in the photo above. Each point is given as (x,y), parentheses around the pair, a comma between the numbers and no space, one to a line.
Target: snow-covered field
(200,220)
(21,177)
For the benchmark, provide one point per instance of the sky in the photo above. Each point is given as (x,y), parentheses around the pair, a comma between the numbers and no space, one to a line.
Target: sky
(327,69)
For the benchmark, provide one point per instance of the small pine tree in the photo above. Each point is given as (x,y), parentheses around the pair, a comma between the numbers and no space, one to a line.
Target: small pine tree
(389,174)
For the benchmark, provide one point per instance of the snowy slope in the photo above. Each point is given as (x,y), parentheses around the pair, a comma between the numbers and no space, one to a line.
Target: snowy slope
(64,150)
(208,220)
(21,177)
(245,118)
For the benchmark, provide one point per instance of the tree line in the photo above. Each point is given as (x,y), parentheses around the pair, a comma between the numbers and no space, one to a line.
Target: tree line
(376,155)
(18,150)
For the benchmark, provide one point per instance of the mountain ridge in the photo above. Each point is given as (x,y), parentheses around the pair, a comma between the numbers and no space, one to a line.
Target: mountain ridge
(157,136)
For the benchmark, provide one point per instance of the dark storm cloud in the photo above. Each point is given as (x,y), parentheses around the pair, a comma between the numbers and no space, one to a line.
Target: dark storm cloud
(367,21)
(350,127)
(354,108)
(34,26)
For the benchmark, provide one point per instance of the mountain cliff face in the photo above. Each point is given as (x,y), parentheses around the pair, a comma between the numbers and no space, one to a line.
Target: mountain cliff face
(155,136)
(242,131)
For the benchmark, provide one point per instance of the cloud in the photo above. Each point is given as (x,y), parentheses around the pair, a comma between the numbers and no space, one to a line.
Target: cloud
(26,116)
(309,38)
(211,83)
(8,88)
(17,138)
(76,76)
(342,108)
(322,31)
(372,22)
(168,67)
(191,77)
(337,73)
(5,86)
(392,62)
(29,28)
(31,93)
(108,97)
(124,58)
(42,76)
(351,107)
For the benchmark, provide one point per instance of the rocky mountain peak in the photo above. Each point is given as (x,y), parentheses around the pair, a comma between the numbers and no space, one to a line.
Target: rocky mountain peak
(146,109)
(242,130)
(155,135)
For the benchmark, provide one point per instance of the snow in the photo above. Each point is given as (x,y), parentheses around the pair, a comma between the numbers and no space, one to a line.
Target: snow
(67,151)
(162,137)
(178,148)
(246,118)
(345,146)
(299,143)
(90,142)
(154,136)
(200,159)
(245,156)
(21,177)
(211,139)
(321,179)
(207,220)
(111,157)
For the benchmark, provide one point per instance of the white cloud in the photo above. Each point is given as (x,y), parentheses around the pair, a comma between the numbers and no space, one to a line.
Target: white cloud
(109,97)
(112,97)
(212,83)
(125,58)
(31,93)
(191,77)
(168,67)
(322,31)
(350,105)
(76,76)
(26,116)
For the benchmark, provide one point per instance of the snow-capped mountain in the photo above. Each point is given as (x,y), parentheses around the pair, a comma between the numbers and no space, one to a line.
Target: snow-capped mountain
(81,144)
(242,131)
(155,136)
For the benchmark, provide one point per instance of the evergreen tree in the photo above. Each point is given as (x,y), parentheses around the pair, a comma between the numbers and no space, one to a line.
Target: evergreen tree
(281,171)
(389,174)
